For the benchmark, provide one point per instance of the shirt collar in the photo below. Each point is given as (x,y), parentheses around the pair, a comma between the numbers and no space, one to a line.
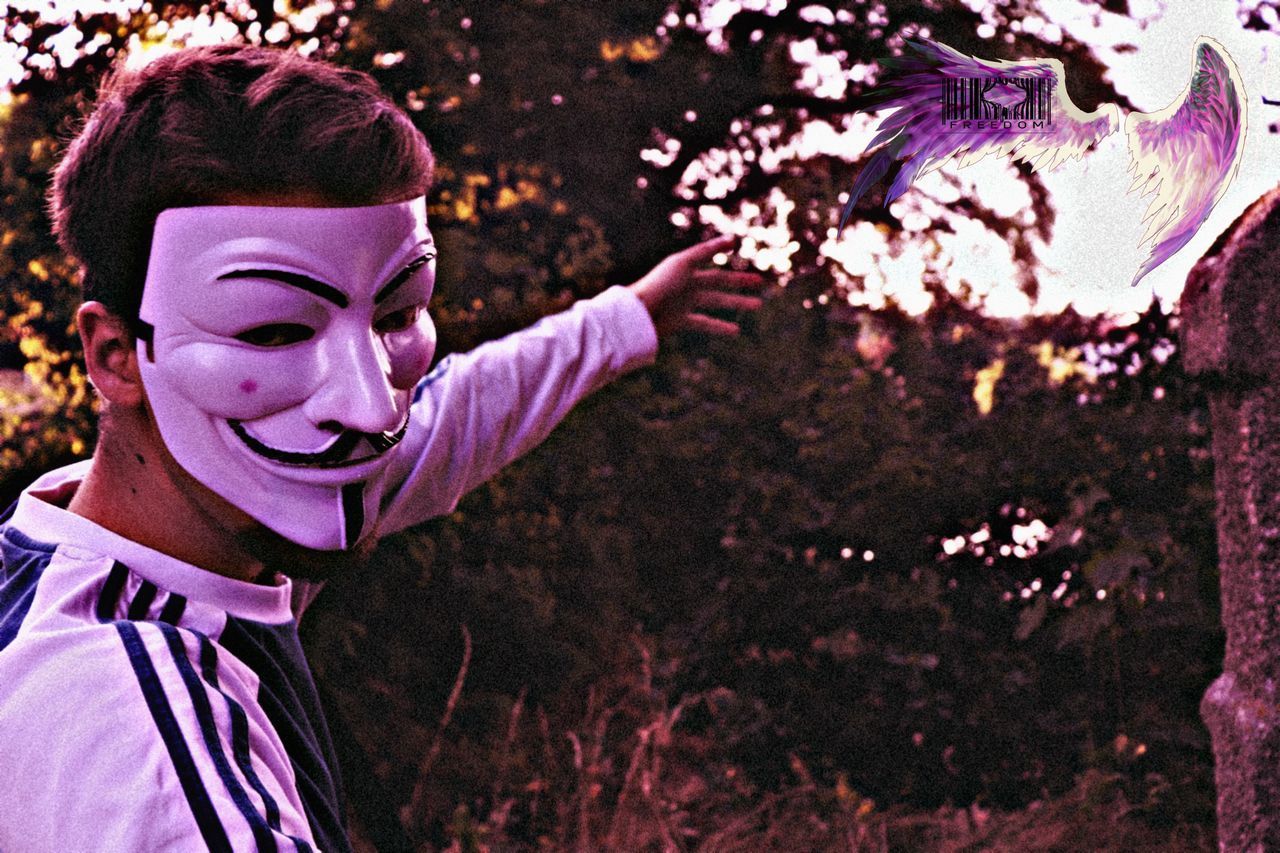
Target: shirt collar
(41,515)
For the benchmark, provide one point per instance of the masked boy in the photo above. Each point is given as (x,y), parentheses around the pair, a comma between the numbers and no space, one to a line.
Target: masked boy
(256,265)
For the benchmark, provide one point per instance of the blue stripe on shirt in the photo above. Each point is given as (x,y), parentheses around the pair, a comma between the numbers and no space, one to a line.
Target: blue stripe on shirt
(436,372)
(240,739)
(109,597)
(141,603)
(173,608)
(22,563)
(262,833)
(239,731)
(211,829)
(287,695)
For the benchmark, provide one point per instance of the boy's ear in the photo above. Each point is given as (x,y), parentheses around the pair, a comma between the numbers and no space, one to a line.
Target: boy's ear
(110,354)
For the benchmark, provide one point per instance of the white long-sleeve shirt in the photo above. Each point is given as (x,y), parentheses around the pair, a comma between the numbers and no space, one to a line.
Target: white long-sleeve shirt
(148,704)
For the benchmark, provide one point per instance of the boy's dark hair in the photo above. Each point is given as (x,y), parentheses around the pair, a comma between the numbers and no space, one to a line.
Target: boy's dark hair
(214,125)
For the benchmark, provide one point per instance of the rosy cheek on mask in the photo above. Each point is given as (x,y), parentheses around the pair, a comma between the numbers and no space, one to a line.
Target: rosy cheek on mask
(410,352)
(230,381)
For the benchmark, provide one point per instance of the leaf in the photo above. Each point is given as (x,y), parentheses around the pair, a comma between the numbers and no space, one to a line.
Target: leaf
(1031,617)
(1084,502)
(1084,622)
(1114,567)
(502,263)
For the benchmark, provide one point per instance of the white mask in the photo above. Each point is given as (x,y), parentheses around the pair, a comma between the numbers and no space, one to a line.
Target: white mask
(279,350)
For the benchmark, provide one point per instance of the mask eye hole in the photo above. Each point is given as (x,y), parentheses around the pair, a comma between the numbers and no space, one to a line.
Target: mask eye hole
(397,321)
(276,334)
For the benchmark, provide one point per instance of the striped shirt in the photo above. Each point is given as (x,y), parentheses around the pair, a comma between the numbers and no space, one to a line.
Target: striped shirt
(148,704)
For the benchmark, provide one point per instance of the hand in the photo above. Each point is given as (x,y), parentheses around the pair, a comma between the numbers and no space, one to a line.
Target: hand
(678,289)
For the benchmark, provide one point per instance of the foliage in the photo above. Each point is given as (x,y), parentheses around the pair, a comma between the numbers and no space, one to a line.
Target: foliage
(49,414)
(725,526)
(528,210)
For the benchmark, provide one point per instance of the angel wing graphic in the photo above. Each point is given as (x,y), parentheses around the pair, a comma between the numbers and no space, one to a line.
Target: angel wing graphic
(1187,154)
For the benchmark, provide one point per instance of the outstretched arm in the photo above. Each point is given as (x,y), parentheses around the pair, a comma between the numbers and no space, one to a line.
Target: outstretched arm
(480,410)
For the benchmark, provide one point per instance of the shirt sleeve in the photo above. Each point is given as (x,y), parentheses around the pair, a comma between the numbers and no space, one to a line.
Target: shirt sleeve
(139,736)
(477,411)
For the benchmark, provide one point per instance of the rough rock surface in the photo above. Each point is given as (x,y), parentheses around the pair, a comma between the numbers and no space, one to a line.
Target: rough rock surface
(1231,341)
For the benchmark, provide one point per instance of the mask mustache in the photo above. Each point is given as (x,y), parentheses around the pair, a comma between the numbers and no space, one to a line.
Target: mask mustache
(336,454)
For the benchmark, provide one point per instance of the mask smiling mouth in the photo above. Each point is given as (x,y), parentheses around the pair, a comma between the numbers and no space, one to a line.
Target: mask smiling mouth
(336,455)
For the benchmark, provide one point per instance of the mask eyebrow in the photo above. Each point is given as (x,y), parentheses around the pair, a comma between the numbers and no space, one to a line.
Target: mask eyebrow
(401,277)
(304,282)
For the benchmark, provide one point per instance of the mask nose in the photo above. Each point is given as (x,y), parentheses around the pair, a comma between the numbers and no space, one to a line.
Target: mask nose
(356,393)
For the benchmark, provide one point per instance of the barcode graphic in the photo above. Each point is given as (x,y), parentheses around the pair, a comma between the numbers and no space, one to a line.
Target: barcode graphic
(996,98)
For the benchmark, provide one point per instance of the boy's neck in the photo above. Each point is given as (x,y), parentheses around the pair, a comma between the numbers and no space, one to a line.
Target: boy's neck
(136,489)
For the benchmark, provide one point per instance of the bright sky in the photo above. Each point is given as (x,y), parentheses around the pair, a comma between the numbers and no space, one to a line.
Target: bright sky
(1094,252)
(201,29)
(1095,247)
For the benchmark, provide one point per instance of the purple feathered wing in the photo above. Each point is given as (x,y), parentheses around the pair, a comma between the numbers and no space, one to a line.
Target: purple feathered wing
(918,134)
(1188,153)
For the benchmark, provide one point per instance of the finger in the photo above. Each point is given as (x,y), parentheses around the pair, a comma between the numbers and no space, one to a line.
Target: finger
(707,249)
(709,325)
(721,278)
(718,299)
